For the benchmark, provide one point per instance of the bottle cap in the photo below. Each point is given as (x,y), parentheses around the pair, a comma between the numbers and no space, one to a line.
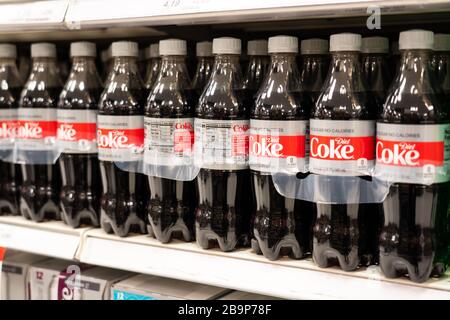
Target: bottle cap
(314,46)
(394,48)
(8,51)
(124,49)
(226,45)
(83,49)
(152,51)
(441,42)
(375,45)
(416,39)
(172,47)
(204,49)
(345,42)
(43,49)
(257,48)
(283,44)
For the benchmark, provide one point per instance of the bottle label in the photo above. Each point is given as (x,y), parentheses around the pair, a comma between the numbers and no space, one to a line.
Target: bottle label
(342,147)
(221,144)
(120,138)
(279,146)
(36,128)
(413,153)
(168,141)
(8,127)
(77,130)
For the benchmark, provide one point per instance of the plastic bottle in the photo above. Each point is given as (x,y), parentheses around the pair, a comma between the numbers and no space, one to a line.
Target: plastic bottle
(169,128)
(315,61)
(10,175)
(120,134)
(205,62)
(440,62)
(412,135)
(342,132)
(77,116)
(221,149)
(39,195)
(278,131)
(153,65)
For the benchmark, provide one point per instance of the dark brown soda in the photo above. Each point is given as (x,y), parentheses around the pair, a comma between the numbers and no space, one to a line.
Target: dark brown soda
(125,193)
(171,210)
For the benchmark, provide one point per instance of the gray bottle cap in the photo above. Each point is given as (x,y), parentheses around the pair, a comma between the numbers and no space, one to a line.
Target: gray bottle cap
(43,49)
(83,49)
(124,49)
(8,51)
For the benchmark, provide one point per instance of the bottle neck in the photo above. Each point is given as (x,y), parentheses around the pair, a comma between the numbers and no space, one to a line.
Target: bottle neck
(45,69)
(415,66)
(84,69)
(347,61)
(227,68)
(345,72)
(9,74)
(125,65)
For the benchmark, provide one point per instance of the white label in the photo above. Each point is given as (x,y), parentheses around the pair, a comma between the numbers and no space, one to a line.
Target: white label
(413,153)
(77,130)
(279,146)
(36,128)
(168,141)
(342,147)
(120,138)
(221,144)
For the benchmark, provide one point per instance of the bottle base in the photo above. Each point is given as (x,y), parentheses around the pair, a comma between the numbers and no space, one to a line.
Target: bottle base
(207,239)
(83,217)
(326,257)
(178,231)
(288,246)
(8,209)
(395,267)
(133,224)
(50,211)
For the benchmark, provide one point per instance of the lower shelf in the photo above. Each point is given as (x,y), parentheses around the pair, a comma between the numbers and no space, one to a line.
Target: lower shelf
(240,270)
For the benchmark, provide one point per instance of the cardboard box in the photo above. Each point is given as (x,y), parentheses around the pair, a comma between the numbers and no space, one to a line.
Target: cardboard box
(67,280)
(14,275)
(146,287)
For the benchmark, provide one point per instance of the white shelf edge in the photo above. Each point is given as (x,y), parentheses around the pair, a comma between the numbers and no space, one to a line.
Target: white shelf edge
(239,270)
(53,239)
(246,271)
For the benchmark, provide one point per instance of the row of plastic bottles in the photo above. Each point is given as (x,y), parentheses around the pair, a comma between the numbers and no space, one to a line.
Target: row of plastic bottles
(228,203)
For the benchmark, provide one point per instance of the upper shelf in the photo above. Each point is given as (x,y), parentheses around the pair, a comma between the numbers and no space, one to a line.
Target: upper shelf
(33,16)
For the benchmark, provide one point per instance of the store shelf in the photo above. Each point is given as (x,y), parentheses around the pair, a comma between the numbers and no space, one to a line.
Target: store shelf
(240,270)
(53,239)
(91,13)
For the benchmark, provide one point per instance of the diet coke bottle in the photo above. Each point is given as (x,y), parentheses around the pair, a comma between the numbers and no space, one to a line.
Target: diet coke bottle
(120,139)
(9,94)
(169,132)
(278,142)
(412,152)
(77,132)
(440,63)
(342,142)
(221,149)
(39,194)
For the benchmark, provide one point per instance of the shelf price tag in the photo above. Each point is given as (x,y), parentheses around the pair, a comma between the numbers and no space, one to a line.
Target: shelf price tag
(36,12)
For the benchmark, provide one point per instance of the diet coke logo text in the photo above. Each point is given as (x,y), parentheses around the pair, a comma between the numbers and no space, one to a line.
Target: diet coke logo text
(8,129)
(66,132)
(342,148)
(410,154)
(120,139)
